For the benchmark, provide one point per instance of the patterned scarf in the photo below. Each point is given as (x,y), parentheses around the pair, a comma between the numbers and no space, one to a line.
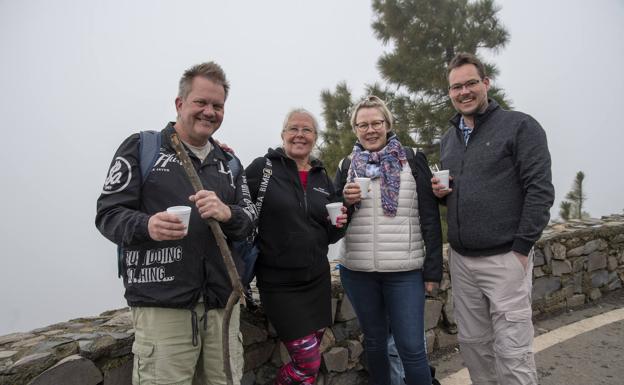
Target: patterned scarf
(385,163)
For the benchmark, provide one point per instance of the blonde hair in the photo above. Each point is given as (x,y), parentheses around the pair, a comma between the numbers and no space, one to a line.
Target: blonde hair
(372,101)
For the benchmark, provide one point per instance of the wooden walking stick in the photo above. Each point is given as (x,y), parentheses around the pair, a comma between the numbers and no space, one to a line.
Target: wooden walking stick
(237,287)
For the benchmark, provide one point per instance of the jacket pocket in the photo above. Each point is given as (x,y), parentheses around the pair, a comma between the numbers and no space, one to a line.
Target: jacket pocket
(144,367)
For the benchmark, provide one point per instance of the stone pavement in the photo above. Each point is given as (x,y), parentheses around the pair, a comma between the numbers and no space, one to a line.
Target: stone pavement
(594,357)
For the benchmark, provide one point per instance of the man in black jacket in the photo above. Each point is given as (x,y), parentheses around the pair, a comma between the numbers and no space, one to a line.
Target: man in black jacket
(175,278)
(497,208)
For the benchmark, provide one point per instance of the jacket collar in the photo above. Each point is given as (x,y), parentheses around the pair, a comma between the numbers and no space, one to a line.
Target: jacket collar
(279,153)
(217,153)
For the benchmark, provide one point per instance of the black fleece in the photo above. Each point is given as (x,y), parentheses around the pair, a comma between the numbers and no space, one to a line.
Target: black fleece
(294,231)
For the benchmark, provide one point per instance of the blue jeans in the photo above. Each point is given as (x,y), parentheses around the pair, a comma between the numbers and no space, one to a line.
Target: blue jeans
(384,301)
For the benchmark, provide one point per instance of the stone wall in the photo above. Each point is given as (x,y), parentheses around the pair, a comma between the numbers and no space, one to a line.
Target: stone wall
(574,264)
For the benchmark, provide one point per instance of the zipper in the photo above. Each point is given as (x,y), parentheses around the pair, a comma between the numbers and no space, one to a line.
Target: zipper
(374,229)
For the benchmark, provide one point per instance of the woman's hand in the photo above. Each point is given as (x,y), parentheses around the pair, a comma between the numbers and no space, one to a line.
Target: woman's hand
(351,193)
(432,288)
(341,220)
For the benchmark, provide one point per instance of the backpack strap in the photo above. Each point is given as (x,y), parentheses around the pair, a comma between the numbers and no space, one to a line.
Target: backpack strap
(233,164)
(149,149)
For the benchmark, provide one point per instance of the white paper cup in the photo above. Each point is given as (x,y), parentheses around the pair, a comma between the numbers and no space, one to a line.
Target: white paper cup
(364,185)
(443,176)
(182,212)
(334,210)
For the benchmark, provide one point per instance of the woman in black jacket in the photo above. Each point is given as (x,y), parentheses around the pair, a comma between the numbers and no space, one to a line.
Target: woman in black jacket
(292,270)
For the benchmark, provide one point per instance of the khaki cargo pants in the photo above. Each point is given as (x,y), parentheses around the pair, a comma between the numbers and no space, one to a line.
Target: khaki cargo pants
(164,353)
(492,298)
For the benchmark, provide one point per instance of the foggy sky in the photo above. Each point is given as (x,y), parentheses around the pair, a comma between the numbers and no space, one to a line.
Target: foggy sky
(77,77)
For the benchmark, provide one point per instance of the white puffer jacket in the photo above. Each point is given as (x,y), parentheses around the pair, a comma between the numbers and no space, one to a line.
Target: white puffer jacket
(375,242)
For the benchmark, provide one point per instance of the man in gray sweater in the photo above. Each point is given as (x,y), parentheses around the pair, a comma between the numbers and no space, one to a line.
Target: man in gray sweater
(498,204)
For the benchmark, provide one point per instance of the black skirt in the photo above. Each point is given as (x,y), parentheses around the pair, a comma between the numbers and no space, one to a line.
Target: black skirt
(297,309)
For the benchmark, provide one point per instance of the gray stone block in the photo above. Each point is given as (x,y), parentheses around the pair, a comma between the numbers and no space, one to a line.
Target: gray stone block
(595,294)
(328,340)
(72,370)
(252,333)
(348,378)
(355,349)
(599,278)
(560,267)
(558,251)
(594,245)
(120,375)
(578,282)
(618,239)
(433,309)
(14,337)
(538,258)
(545,286)
(612,263)
(249,378)
(346,330)
(547,254)
(430,338)
(578,264)
(446,282)
(446,340)
(576,300)
(614,281)
(336,359)
(538,272)
(334,305)
(576,252)
(596,260)
(448,310)
(7,354)
(345,310)
(123,319)
(258,354)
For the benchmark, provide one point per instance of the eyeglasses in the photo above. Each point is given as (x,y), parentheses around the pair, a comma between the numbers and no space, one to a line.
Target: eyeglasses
(470,85)
(305,131)
(375,125)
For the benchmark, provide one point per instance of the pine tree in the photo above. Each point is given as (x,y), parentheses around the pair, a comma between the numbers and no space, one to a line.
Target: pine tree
(424,35)
(564,210)
(577,197)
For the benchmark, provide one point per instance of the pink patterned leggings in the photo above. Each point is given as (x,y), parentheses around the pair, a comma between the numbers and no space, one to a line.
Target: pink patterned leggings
(305,361)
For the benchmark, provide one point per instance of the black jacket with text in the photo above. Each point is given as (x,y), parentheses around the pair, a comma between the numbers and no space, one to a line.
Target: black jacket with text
(173,274)
(294,229)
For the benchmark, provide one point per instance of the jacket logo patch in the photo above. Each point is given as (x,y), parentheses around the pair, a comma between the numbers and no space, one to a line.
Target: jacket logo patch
(118,177)
(321,190)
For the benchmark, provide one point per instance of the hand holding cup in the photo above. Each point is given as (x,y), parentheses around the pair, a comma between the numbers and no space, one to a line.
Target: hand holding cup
(352,193)
(337,214)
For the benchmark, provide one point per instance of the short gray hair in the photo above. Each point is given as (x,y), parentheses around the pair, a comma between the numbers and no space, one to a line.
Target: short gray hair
(300,111)
(209,70)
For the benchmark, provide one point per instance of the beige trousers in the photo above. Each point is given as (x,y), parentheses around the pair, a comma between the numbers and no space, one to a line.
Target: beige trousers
(164,353)
(492,298)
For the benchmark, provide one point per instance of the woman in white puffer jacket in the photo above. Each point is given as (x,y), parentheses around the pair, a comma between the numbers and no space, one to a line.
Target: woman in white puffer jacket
(392,251)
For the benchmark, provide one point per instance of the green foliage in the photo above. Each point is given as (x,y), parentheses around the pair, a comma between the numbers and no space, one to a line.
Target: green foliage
(564,210)
(575,200)
(424,35)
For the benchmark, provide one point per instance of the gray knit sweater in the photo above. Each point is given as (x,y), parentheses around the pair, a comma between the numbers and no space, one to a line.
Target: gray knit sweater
(502,190)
